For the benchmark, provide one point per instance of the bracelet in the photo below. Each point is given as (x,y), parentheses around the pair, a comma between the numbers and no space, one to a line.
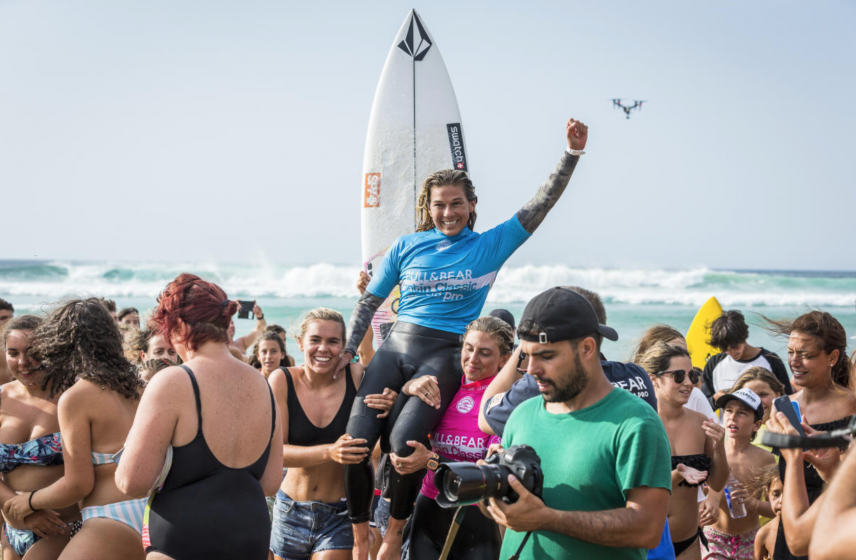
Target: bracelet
(260,317)
(30,500)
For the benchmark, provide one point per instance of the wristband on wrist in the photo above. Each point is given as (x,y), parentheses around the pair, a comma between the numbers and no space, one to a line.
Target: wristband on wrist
(30,500)
(260,317)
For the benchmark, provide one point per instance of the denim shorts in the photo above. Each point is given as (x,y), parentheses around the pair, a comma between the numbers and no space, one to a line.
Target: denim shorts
(300,529)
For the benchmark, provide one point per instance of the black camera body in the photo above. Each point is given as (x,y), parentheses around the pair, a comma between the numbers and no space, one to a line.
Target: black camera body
(466,483)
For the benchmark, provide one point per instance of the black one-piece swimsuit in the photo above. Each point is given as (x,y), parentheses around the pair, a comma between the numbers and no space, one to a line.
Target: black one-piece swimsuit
(209,511)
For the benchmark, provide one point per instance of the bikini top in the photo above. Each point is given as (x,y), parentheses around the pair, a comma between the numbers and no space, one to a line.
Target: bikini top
(301,431)
(102,458)
(45,451)
(700,462)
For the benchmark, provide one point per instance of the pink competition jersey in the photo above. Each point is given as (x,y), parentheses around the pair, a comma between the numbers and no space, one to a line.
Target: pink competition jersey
(457,435)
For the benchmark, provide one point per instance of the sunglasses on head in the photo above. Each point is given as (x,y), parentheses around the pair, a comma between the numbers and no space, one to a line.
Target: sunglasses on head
(679,375)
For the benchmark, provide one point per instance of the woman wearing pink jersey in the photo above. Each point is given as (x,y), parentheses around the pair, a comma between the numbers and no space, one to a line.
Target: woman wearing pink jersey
(488,343)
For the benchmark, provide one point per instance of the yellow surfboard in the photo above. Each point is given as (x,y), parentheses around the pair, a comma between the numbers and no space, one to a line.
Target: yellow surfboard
(699,333)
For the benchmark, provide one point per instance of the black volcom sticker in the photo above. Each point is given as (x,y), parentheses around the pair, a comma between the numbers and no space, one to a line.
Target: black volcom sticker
(456,145)
(416,44)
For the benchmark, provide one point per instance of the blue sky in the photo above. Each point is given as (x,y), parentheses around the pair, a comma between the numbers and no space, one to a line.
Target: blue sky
(183,130)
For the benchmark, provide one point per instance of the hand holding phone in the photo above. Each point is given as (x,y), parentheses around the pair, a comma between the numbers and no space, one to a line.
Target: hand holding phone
(246,309)
(791,410)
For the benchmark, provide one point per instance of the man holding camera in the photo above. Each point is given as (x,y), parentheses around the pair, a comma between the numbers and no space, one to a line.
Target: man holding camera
(604,452)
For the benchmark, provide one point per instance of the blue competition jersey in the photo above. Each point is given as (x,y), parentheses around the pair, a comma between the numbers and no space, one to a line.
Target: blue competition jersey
(444,281)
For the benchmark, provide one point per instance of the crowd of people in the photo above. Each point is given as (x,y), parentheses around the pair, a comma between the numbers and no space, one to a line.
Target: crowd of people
(163,436)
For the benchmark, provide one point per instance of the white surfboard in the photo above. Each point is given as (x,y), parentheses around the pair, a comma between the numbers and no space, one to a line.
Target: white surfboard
(414,130)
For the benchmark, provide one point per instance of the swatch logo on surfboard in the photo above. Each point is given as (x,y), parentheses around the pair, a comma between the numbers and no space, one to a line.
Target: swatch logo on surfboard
(456,145)
(416,44)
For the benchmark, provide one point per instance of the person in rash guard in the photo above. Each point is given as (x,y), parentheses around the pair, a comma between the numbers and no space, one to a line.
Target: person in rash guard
(487,347)
(444,271)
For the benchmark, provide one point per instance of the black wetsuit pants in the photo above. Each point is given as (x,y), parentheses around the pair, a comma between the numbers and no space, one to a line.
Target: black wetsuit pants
(477,539)
(409,351)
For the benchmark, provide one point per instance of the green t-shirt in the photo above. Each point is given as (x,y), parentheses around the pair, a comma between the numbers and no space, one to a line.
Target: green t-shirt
(590,459)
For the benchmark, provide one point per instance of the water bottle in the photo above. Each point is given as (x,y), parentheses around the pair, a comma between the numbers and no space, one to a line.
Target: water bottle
(738,510)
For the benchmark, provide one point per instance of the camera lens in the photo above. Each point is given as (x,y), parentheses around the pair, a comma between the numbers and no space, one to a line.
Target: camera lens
(451,487)
(459,484)
(463,484)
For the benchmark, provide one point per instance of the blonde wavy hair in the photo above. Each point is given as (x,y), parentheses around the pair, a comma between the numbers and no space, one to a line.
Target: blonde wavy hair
(442,179)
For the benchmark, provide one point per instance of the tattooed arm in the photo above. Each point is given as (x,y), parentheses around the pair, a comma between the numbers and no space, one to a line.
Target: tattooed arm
(361,320)
(534,211)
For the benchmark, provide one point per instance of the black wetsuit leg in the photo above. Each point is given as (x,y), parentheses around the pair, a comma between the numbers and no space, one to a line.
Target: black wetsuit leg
(415,422)
(478,537)
(409,351)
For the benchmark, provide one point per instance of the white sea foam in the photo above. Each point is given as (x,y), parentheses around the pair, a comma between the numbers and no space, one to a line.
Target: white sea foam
(690,287)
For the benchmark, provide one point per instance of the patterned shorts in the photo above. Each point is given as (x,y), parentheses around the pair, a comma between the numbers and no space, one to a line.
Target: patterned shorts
(722,546)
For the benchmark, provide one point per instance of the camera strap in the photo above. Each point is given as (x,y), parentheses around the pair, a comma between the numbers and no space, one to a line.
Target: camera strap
(453,532)
(516,555)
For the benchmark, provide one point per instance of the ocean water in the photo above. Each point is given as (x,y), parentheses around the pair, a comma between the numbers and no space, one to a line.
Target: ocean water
(635,298)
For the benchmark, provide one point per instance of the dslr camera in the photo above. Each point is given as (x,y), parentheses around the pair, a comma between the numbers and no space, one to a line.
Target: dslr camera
(462,484)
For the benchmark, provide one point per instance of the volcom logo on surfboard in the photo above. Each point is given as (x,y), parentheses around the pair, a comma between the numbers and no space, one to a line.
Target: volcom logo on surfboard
(456,144)
(416,44)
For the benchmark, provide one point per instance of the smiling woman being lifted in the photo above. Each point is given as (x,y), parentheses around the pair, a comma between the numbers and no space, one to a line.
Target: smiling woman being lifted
(444,271)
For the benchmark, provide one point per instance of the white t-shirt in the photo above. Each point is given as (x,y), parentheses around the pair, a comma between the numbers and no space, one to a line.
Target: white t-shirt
(699,403)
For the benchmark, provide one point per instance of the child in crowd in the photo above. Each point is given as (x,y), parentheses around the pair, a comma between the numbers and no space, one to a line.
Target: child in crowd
(768,482)
(730,334)
(732,537)
(768,388)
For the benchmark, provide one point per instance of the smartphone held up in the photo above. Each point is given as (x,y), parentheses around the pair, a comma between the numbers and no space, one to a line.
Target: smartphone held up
(246,309)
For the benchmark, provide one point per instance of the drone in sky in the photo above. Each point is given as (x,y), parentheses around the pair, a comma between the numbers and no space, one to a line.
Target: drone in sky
(627,108)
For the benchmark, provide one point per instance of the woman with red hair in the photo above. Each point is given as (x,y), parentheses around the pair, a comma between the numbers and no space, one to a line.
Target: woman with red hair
(220,418)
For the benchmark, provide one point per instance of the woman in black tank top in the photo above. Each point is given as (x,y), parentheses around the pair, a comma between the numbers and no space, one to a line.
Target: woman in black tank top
(219,416)
(310,514)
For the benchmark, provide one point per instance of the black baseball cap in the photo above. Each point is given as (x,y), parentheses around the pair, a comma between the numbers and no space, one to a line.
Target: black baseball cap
(503,314)
(562,314)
